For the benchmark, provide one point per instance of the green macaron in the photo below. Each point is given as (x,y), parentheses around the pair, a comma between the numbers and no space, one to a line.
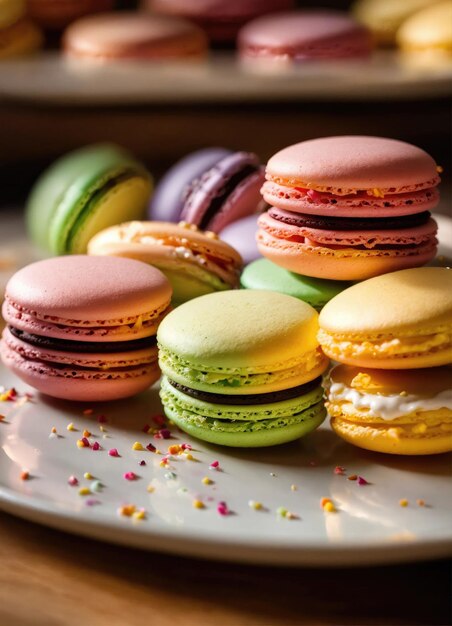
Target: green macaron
(263,274)
(84,192)
(242,368)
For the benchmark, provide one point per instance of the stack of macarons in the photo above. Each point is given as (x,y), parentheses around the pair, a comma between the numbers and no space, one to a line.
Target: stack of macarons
(195,262)
(84,192)
(392,335)
(84,328)
(19,36)
(349,207)
(235,376)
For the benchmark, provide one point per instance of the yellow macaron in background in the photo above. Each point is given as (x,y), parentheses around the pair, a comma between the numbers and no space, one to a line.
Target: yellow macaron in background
(18,35)
(428,31)
(401,320)
(392,411)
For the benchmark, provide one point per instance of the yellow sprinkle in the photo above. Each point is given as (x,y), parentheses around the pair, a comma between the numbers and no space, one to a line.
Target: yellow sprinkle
(80,443)
(439,169)
(139,514)
(329,507)
(151,431)
(157,452)
(84,491)
(86,433)
(137,446)
(403,502)
(150,488)
(189,456)
(163,463)
(257,506)
(53,430)
(102,429)
(420,502)
(198,504)
(88,476)
(378,193)
(70,426)
(206,481)
(293,487)
(174,449)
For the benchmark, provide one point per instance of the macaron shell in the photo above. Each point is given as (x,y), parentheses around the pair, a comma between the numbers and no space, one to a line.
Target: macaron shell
(428,30)
(168,199)
(382,438)
(345,164)
(241,235)
(359,204)
(349,264)
(20,39)
(11,11)
(89,291)
(71,383)
(263,274)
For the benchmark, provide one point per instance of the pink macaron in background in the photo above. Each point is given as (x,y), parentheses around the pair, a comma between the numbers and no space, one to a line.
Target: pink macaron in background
(57,14)
(83,328)
(133,35)
(221,19)
(294,37)
(349,208)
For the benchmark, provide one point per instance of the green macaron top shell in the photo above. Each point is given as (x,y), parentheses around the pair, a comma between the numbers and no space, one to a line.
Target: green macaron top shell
(80,187)
(263,274)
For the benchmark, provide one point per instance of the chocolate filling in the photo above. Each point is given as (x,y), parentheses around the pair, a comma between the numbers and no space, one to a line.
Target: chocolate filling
(217,202)
(350,223)
(248,399)
(88,347)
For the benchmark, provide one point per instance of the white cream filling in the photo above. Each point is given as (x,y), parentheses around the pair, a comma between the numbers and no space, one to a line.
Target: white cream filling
(392,406)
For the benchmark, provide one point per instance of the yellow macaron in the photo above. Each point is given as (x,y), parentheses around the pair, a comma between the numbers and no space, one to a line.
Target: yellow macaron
(392,411)
(19,39)
(428,31)
(401,320)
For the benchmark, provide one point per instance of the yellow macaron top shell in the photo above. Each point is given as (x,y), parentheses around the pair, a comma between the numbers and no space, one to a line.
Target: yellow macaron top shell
(11,11)
(428,30)
(397,320)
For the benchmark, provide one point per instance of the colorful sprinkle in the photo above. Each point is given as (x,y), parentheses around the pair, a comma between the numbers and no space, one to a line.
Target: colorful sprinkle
(146,428)
(281,511)
(113,452)
(101,419)
(81,443)
(362,481)
(273,474)
(8,396)
(72,481)
(2,417)
(103,429)
(150,488)
(257,506)
(127,510)
(70,427)
(88,412)
(187,446)
(25,475)
(96,486)
(339,470)
(92,502)
(159,419)
(222,508)
(86,433)
(293,487)
(198,504)
(96,446)
(142,462)
(88,476)
(206,481)
(84,491)
(150,447)
(190,457)
(352,477)
(130,476)
(137,446)
(420,502)
(290,515)
(164,433)
(214,465)
(174,449)
(170,475)
(139,515)
(327,505)
(403,502)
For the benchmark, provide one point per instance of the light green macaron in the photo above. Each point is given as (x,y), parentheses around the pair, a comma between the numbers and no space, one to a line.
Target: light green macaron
(84,192)
(242,368)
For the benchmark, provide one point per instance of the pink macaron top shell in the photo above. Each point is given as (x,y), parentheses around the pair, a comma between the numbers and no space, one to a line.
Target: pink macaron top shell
(85,291)
(134,35)
(348,164)
(361,203)
(301,35)
(229,10)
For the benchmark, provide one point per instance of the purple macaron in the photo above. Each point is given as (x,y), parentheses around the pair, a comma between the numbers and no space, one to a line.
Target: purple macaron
(169,195)
(229,191)
(241,235)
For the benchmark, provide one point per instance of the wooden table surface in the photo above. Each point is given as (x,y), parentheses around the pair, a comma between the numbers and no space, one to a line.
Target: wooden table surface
(49,578)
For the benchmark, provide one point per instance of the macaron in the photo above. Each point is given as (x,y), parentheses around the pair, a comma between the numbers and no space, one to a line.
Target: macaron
(83,328)
(133,35)
(401,320)
(221,20)
(241,235)
(11,11)
(167,201)
(195,262)
(263,274)
(56,14)
(429,31)
(384,17)
(392,411)
(226,192)
(18,35)
(298,36)
(235,375)
(349,207)
(84,192)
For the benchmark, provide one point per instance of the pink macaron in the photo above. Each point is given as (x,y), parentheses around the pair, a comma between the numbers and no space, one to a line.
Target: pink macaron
(83,328)
(348,208)
(221,19)
(298,36)
(128,35)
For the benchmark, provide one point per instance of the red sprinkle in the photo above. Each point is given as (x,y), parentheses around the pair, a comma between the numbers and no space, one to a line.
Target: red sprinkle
(145,428)
(96,445)
(25,475)
(130,476)
(73,481)
(362,481)
(222,508)
(165,433)
(339,470)
(215,464)
(88,411)
(143,462)
(186,446)
(151,447)
(160,420)
(113,452)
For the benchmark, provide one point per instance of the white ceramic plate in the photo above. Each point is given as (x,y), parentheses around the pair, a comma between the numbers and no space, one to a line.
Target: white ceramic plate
(369,526)
(50,78)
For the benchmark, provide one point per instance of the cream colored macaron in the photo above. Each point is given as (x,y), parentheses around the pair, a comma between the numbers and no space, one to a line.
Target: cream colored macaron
(428,31)
(401,320)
